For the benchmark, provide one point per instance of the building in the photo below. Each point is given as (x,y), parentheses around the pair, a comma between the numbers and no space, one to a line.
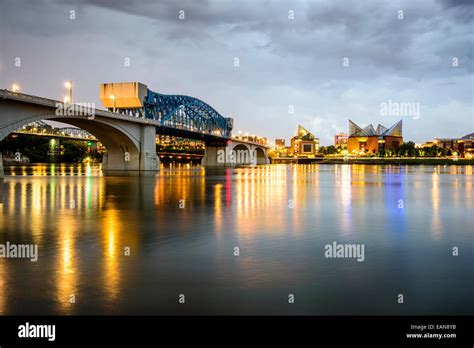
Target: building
(123,97)
(463,146)
(279,143)
(445,143)
(280,148)
(371,140)
(252,138)
(170,143)
(303,144)
(340,140)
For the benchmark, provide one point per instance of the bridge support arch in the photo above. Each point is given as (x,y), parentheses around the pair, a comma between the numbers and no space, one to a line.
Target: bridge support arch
(130,145)
(236,153)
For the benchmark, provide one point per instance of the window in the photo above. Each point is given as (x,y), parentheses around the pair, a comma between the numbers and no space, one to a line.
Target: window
(307,147)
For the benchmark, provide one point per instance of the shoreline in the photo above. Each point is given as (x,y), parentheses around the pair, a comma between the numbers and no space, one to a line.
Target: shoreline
(405,161)
(379,161)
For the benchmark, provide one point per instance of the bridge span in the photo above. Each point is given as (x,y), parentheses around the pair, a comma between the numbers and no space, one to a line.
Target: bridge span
(129,134)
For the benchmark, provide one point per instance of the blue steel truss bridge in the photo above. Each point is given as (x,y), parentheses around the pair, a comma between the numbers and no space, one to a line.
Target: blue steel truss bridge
(176,115)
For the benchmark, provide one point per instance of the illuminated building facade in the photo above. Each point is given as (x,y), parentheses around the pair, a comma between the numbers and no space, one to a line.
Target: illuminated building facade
(340,140)
(371,140)
(463,146)
(280,148)
(167,142)
(304,144)
(252,138)
(279,143)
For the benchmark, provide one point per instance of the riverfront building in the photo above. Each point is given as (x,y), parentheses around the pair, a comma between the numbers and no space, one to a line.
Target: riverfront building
(464,146)
(279,143)
(304,143)
(340,140)
(371,140)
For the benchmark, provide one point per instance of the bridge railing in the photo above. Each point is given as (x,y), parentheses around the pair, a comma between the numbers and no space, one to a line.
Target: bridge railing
(44,132)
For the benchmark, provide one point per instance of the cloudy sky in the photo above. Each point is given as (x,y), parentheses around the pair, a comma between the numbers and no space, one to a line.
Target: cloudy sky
(270,65)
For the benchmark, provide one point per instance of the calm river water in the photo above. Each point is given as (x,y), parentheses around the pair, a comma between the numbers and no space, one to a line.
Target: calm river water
(133,244)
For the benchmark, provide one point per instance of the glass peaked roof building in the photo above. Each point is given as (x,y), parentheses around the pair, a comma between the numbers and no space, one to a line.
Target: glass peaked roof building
(303,133)
(304,143)
(370,139)
(395,130)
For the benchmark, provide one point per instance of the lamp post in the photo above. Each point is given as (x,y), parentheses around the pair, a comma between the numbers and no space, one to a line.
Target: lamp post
(68,85)
(113,99)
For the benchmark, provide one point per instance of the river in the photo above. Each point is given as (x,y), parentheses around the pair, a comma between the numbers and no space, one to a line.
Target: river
(239,241)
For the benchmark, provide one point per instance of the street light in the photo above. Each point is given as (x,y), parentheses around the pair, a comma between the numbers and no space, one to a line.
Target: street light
(67,99)
(68,85)
(15,88)
(113,98)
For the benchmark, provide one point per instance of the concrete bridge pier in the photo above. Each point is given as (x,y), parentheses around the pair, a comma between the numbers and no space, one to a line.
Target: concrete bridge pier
(1,166)
(149,160)
(213,156)
(143,157)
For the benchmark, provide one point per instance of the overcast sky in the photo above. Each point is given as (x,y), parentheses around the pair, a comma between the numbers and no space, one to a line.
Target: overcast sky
(327,61)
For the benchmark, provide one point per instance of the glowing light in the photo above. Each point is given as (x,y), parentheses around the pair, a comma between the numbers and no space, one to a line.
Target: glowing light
(15,88)
(68,85)
(113,98)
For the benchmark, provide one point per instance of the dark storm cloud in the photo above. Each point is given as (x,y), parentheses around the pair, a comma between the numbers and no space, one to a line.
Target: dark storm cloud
(466,4)
(282,61)
(371,34)
(462,10)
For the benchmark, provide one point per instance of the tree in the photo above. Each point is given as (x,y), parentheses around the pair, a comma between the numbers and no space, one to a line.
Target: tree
(330,150)
(74,151)
(407,149)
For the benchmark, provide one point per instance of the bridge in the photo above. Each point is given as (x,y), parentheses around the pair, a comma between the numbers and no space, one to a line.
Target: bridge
(129,127)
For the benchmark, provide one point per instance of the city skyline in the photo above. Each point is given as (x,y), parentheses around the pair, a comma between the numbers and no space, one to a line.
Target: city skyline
(395,57)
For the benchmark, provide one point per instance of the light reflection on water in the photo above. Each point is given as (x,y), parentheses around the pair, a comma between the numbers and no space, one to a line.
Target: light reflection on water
(182,224)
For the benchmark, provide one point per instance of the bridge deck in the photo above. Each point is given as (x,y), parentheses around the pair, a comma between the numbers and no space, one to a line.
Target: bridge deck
(160,129)
(52,103)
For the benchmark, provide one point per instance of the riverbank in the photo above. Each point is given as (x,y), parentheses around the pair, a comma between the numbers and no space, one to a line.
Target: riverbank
(401,161)
(376,161)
